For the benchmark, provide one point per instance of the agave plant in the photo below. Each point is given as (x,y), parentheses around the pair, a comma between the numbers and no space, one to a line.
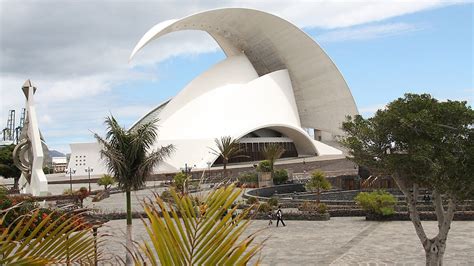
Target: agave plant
(35,239)
(191,232)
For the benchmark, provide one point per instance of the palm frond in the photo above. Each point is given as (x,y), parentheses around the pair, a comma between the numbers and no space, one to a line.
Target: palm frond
(127,152)
(227,148)
(272,152)
(55,240)
(203,233)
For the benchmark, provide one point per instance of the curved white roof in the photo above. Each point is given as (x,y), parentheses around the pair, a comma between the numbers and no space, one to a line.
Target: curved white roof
(271,43)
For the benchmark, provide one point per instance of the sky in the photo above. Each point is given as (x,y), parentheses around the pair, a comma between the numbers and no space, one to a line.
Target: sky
(76,53)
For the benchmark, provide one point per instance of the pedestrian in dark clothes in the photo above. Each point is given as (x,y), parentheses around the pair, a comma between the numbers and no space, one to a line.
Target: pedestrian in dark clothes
(279,215)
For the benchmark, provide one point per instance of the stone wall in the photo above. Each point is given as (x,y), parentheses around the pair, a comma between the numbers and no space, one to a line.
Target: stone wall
(336,167)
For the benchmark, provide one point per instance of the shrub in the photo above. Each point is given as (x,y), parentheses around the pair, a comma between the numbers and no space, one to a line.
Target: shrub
(273,201)
(67,191)
(252,200)
(82,193)
(310,206)
(180,182)
(280,176)
(248,178)
(167,196)
(264,166)
(378,202)
(264,207)
(107,181)
(322,208)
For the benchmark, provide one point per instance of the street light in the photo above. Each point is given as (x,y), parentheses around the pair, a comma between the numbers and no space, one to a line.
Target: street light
(70,171)
(209,170)
(89,170)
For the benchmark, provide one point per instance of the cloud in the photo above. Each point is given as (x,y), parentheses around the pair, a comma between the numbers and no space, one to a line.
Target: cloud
(368,111)
(367,32)
(77,53)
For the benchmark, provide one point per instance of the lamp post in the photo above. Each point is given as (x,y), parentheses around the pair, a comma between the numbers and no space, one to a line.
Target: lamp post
(70,171)
(209,170)
(89,170)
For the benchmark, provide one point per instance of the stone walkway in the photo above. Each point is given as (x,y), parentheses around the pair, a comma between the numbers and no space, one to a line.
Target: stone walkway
(340,241)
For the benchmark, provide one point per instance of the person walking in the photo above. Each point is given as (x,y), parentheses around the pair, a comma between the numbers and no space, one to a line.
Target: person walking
(279,215)
(270,217)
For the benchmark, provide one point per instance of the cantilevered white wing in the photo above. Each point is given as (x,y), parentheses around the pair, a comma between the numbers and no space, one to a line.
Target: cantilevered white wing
(271,43)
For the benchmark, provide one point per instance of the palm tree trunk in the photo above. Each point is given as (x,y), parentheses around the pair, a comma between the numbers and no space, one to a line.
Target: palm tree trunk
(128,258)
(225,170)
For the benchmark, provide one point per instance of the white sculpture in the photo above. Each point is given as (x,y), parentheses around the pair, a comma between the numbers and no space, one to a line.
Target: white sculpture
(29,152)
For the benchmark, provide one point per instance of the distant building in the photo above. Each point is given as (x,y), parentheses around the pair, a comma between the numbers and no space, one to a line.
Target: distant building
(59,164)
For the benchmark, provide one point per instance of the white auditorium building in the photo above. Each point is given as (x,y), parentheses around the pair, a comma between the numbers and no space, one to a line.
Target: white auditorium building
(275,85)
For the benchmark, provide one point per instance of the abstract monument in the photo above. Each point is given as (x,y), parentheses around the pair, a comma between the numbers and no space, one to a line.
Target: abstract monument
(29,152)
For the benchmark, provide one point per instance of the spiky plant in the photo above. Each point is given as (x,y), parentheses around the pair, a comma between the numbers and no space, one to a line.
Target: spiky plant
(272,152)
(197,232)
(227,148)
(318,182)
(130,160)
(41,239)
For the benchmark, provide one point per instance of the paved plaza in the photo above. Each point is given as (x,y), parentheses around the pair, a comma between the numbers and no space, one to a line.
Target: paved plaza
(340,241)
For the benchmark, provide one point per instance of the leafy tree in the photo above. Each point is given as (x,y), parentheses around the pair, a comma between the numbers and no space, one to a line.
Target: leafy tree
(206,236)
(129,157)
(420,142)
(181,182)
(7,167)
(107,181)
(318,182)
(272,152)
(227,148)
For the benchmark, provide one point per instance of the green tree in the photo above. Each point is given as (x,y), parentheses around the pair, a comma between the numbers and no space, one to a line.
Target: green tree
(129,157)
(420,142)
(107,181)
(272,152)
(7,167)
(181,182)
(227,148)
(318,182)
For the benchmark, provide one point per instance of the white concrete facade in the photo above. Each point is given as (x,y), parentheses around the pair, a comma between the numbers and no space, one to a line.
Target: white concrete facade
(274,77)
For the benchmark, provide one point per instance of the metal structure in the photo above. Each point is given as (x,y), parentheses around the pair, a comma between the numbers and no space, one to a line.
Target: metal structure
(29,153)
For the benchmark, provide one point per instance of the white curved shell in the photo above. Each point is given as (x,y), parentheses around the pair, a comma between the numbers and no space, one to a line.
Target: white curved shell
(272,43)
(275,76)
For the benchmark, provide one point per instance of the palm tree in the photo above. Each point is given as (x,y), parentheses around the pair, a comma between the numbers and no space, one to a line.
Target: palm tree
(227,148)
(272,152)
(318,182)
(128,158)
(206,236)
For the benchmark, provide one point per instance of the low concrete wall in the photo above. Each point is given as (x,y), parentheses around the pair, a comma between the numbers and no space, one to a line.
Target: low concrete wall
(267,192)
